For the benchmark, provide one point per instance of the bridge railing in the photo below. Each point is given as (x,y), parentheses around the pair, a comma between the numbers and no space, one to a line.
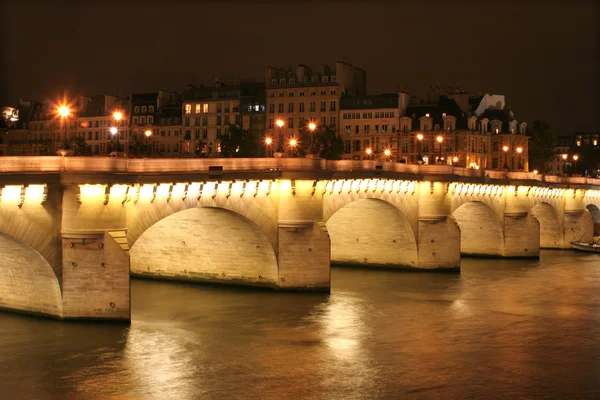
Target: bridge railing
(41,164)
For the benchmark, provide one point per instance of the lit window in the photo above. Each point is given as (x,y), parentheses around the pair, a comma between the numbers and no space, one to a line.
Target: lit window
(595,142)
(197,108)
(205,108)
(188,108)
(579,143)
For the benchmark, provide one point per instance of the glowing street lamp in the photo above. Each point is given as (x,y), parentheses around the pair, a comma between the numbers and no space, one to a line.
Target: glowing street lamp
(311,127)
(440,139)
(63,112)
(575,158)
(505,149)
(387,153)
(113,130)
(420,156)
(117,115)
(519,151)
(148,133)
(268,142)
(369,151)
(454,160)
(280,124)
(293,144)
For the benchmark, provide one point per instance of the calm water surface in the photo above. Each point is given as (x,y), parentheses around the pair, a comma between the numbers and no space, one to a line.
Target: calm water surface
(501,329)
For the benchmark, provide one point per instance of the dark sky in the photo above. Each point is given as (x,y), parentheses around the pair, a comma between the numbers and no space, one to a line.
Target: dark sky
(542,55)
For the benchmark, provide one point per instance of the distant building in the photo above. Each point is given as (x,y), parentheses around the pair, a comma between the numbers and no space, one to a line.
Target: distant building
(300,96)
(208,111)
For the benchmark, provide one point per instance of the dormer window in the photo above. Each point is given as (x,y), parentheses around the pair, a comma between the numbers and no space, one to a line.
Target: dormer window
(282,81)
(273,81)
(315,79)
(136,109)
(151,109)
(143,109)
(188,109)
(333,78)
(325,79)
(304,79)
(427,115)
(292,81)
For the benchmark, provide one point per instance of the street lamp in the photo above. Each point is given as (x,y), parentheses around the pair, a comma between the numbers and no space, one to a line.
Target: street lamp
(387,153)
(369,151)
(440,139)
(505,149)
(268,142)
(148,133)
(64,111)
(293,144)
(454,160)
(564,157)
(519,151)
(575,158)
(312,126)
(420,156)
(280,124)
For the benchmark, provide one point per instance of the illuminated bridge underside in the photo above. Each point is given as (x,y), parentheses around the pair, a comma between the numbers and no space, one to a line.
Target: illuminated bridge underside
(69,245)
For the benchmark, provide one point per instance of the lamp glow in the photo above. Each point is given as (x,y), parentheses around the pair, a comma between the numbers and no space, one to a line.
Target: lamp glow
(279,123)
(420,136)
(369,151)
(113,130)
(312,126)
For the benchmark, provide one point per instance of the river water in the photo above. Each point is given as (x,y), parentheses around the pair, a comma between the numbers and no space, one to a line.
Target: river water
(500,329)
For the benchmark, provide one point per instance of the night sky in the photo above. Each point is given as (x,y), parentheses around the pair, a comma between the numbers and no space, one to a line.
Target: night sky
(542,57)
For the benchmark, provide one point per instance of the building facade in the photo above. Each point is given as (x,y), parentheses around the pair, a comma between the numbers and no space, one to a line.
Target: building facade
(297,97)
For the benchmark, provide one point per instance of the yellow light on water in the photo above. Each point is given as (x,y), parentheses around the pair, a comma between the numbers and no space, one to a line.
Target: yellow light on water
(91,192)
(147,191)
(34,193)
(11,193)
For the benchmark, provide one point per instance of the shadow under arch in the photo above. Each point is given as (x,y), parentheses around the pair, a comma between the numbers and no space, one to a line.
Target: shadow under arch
(550,227)
(206,244)
(481,233)
(27,281)
(595,212)
(371,232)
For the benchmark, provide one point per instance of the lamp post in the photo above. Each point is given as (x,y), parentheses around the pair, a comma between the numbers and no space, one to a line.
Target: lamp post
(64,112)
(575,158)
(268,142)
(440,139)
(420,156)
(505,149)
(293,144)
(312,126)
(519,151)
(114,131)
(117,115)
(280,124)
(148,133)
(369,151)
(564,157)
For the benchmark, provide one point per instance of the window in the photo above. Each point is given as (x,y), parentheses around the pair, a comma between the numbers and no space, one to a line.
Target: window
(366,128)
(143,109)
(282,81)
(162,133)
(290,107)
(323,92)
(271,123)
(315,79)
(281,94)
(197,121)
(136,109)
(301,94)
(332,106)
(291,94)
(313,93)
(238,120)
(301,107)
(227,120)
(347,146)
(219,120)
(218,132)
(356,146)
(273,81)
(332,122)
(197,134)
(142,120)
(376,128)
(204,108)
(323,121)
(348,128)
(151,109)
(579,143)
(135,120)
(323,106)
(150,119)
(312,106)
(204,133)
(187,135)
(356,129)
(197,108)
(186,121)
(333,78)
(188,108)
(271,108)
(325,79)
(205,120)
(290,122)
(226,107)
(280,107)
(384,128)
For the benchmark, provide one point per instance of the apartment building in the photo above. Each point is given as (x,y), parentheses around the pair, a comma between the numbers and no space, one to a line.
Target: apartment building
(296,97)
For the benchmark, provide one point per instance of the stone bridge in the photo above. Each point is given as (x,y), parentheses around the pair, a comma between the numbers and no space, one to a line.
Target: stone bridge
(72,230)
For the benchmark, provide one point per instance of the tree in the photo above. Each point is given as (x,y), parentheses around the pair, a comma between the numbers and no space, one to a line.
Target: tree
(541,145)
(237,142)
(79,145)
(328,144)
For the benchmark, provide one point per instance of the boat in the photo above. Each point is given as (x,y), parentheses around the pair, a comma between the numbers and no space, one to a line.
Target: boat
(582,246)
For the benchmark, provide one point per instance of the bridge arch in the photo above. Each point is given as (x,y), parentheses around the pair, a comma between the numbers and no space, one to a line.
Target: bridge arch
(481,232)
(27,281)
(371,232)
(595,212)
(206,244)
(551,236)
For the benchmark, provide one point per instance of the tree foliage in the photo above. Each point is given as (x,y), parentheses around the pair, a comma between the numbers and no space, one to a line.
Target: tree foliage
(541,145)
(328,145)
(237,142)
